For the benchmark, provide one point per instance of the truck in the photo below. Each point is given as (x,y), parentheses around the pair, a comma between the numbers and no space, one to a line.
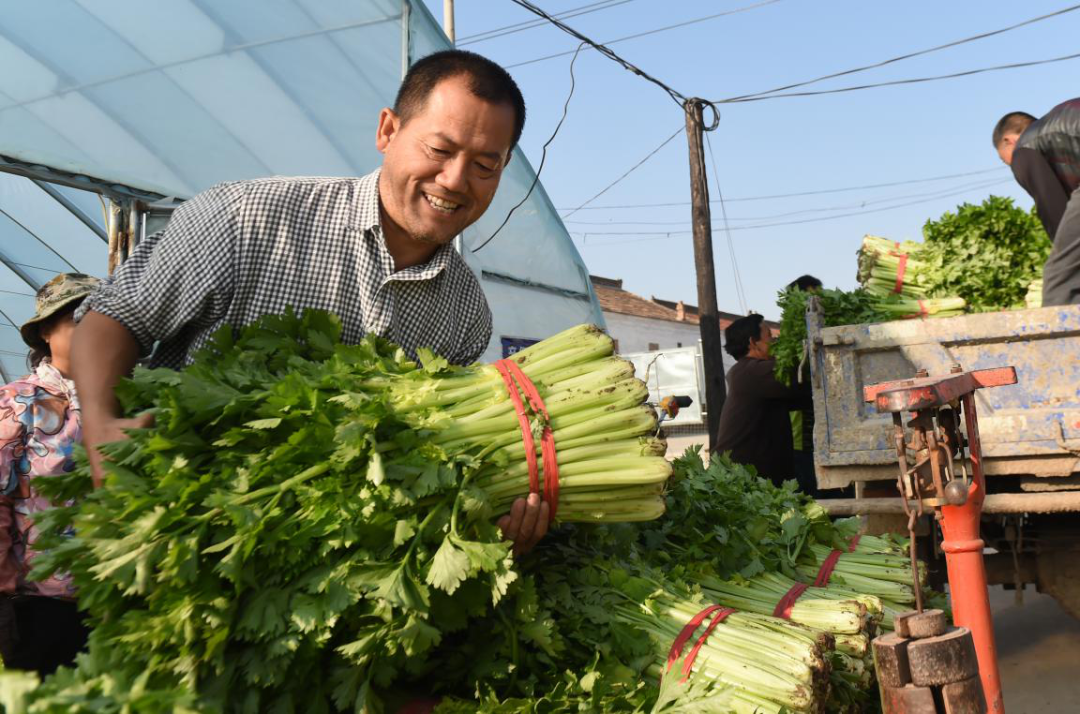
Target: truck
(1030,431)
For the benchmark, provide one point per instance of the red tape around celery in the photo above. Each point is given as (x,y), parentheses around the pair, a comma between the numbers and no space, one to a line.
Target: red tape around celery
(900,270)
(688,663)
(783,608)
(826,570)
(829,564)
(547,439)
(512,373)
(675,652)
(523,422)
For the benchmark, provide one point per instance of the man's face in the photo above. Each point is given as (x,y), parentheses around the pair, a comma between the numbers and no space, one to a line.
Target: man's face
(1006,147)
(442,167)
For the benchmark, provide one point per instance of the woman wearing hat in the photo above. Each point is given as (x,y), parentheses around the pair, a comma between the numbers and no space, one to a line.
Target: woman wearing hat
(40,423)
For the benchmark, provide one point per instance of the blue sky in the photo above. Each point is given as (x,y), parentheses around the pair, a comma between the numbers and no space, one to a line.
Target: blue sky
(773,147)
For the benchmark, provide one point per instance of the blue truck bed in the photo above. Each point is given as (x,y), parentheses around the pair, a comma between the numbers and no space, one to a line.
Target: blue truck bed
(1031,429)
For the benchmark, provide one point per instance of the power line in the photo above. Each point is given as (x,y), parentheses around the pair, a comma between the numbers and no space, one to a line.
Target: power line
(653,32)
(909,55)
(531,24)
(659,234)
(897,82)
(870,202)
(675,95)
(803,193)
(543,155)
(739,292)
(632,169)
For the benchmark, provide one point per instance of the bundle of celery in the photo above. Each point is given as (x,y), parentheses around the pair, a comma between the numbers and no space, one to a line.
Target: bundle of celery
(902,279)
(630,610)
(826,609)
(872,570)
(887,268)
(903,308)
(307,521)
(746,542)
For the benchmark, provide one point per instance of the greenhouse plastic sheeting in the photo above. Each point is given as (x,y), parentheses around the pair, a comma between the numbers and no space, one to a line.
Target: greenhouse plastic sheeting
(174,96)
(38,239)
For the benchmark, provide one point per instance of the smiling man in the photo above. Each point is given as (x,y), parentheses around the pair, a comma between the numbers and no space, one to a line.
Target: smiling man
(377,250)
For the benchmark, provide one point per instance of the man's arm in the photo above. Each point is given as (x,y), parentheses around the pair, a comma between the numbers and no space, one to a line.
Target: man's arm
(103,352)
(1033,173)
(178,278)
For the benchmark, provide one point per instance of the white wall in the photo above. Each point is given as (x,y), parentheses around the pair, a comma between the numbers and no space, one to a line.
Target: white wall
(635,333)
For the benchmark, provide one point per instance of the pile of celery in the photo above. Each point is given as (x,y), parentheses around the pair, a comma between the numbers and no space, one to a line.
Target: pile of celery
(307,522)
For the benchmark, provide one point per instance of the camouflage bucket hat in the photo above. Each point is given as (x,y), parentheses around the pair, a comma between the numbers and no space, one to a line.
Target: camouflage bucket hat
(52,297)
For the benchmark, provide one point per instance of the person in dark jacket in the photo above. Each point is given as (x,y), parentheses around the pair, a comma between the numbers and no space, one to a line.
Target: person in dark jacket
(754,425)
(1044,155)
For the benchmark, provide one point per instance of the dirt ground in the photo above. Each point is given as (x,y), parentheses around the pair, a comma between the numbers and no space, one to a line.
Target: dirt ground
(1038,654)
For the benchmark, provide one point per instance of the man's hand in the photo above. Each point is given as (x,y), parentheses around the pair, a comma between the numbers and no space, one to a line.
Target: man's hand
(106,430)
(526,523)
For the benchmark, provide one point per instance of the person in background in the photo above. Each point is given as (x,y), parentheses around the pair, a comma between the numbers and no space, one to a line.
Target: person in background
(1044,155)
(802,420)
(40,424)
(754,425)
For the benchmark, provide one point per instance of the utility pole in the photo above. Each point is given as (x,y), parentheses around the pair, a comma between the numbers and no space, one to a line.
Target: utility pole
(448,20)
(711,356)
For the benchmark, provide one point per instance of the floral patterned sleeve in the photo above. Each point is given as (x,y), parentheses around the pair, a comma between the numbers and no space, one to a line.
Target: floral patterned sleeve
(12,450)
(40,424)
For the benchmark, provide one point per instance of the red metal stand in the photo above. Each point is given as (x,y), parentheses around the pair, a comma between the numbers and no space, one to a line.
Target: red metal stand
(957,502)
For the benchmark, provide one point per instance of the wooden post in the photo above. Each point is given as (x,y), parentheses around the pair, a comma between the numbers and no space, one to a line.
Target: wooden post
(711,355)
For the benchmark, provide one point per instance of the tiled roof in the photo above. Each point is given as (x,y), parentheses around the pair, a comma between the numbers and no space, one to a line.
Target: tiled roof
(612,297)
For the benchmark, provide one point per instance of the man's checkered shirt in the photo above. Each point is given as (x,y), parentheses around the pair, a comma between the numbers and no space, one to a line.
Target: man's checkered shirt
(242,250)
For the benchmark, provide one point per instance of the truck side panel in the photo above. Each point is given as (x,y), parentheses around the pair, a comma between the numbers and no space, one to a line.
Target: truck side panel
(1031,428)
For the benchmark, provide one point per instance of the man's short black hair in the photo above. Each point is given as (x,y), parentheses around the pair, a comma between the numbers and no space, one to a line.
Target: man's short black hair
(805,283)
(487,80)
(1011,123)
(738,334)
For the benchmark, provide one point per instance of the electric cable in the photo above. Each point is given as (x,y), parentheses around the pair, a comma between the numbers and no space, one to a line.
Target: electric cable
(543,155)
(532,24)
(635,36)
(806,193)
(739,292)
(825,209)
(783,223)
(632,169)
(898,82)
(677,96)
(919,53)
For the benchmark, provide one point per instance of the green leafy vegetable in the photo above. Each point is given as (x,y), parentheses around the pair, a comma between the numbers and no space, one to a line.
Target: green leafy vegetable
(987,254)
(307,522)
